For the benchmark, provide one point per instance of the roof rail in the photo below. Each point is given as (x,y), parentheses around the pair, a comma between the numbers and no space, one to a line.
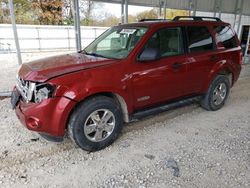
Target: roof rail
(196,18)
(151,20)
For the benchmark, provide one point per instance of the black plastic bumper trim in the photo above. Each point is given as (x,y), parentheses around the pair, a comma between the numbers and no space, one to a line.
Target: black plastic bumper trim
(51,138)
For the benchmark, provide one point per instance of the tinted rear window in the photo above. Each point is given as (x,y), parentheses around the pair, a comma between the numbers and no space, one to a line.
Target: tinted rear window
(226,36)
(199,39)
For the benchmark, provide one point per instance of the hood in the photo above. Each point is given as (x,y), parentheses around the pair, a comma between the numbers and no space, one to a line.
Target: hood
(44,69)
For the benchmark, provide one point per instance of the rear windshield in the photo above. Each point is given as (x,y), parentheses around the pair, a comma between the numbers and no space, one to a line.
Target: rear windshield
(226,36)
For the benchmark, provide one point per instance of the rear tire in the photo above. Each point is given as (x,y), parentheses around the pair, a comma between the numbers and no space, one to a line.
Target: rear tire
(217,93)
(95,123)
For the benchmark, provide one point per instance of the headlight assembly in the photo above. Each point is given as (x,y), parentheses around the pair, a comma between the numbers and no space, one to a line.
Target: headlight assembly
(34,91)
(43,91)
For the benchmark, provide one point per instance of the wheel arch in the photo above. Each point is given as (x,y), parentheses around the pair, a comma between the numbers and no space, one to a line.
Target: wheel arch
(228,73)
(222,69)
(116,97)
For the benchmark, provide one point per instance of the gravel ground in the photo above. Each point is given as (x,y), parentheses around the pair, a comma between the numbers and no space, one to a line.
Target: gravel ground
(186,147)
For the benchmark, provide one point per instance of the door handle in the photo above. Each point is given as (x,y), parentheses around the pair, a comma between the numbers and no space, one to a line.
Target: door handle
(176,66)
(214,58)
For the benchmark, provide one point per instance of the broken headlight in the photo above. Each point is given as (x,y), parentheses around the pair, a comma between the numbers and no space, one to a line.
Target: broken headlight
(43,91)
(34,91)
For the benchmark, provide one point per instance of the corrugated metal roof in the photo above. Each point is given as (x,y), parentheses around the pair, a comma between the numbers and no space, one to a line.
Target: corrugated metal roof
(226,6)
(246,7)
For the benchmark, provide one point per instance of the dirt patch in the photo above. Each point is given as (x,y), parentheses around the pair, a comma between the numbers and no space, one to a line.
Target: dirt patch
(1,98)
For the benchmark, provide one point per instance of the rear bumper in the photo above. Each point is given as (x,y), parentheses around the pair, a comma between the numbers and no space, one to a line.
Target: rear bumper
(48,117)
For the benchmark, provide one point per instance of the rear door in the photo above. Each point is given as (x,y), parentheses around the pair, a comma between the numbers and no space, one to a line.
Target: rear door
(202,56)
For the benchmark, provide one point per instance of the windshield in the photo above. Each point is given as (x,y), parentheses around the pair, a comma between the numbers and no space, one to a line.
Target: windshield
(116,43)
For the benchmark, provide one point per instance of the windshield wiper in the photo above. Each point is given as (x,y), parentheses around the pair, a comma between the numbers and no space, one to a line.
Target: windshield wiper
(92,54)
(95,54)
(81,51)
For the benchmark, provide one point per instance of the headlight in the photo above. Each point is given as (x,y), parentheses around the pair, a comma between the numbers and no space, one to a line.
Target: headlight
(34,91)
(43,91)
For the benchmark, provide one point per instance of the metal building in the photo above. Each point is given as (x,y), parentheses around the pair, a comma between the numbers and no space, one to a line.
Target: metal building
(233,11)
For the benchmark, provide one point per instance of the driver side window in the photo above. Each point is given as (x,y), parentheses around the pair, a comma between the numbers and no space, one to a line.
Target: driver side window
(171,42)
(167,42)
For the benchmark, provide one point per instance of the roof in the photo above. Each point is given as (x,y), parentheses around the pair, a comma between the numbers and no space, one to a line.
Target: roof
(226,6)
(175,22)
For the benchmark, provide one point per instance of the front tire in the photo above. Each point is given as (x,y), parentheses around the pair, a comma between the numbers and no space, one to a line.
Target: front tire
(217,93)
(96,123)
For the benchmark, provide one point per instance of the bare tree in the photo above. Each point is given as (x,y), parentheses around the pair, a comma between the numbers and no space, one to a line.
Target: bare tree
(86,8)
(68,11)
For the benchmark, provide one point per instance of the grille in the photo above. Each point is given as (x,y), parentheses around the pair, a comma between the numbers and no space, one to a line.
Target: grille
(26,88)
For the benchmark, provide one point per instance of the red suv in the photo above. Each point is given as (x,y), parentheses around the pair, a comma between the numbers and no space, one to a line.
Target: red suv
(129,72)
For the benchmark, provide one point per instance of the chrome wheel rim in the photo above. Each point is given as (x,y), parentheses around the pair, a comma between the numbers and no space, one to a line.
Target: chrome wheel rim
(219,93)
(99,125)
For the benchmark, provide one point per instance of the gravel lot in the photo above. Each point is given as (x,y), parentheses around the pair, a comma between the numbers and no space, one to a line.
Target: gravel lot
(186,147)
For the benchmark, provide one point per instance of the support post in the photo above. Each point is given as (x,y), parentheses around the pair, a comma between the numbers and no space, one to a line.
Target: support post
(126,12)
(190,7)
(195,7)
(165,9)
(13,21)
(220,6)
(239,23)
(235,12)
(159,11)
(247,44)
(215,7)
(77,25)
(68,35)
(38,38)
(95,33)
(122,11)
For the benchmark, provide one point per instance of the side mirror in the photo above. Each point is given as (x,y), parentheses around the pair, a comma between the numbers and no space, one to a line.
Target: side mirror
(148,54)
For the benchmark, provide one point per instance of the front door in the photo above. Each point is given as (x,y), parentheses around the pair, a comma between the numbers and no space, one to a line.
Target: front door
(160,79)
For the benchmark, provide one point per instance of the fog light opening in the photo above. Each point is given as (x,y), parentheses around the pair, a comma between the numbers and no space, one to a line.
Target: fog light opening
(33,123)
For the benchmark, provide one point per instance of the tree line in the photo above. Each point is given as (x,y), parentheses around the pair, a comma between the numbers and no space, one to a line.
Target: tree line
(43,12)
(60,12)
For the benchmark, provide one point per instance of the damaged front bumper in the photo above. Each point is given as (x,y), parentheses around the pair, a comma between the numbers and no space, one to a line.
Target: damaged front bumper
(49,117)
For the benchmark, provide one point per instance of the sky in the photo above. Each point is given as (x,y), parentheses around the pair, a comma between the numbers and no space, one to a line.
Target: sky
(116,9)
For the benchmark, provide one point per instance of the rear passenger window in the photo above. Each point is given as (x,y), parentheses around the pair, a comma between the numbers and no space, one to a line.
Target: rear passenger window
(199,39)
(225,35)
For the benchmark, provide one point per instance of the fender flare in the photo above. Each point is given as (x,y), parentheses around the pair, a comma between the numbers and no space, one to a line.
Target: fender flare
(221,67)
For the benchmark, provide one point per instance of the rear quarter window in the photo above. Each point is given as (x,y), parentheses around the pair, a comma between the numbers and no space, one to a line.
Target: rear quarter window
(199,39)
(226,36)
